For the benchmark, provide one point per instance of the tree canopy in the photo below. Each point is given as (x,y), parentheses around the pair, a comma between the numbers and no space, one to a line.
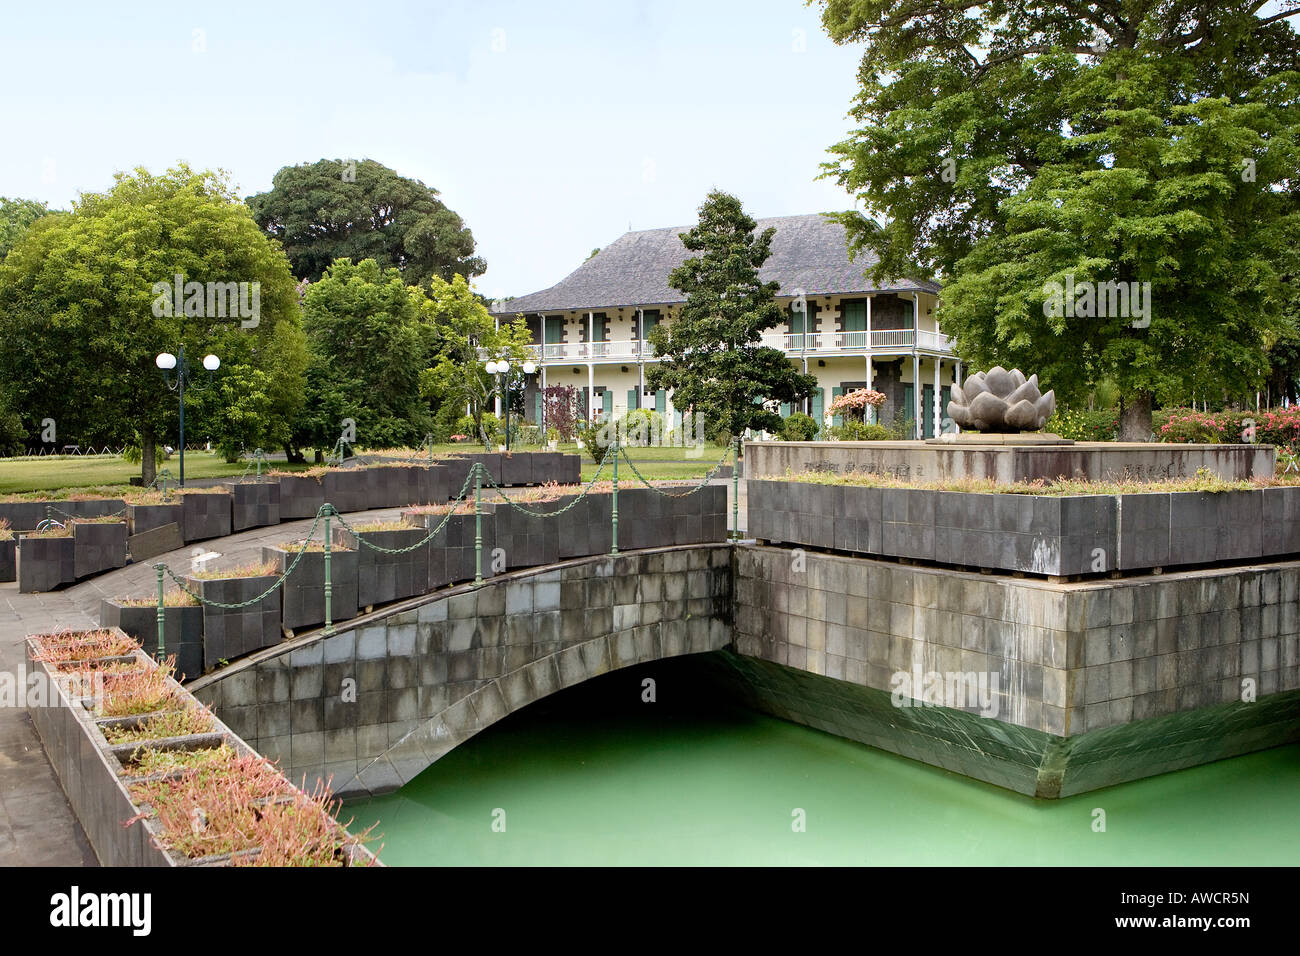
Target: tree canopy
(16,215)
(338,209)
(710,356)
(1012,151)
(370,335)
(81,321)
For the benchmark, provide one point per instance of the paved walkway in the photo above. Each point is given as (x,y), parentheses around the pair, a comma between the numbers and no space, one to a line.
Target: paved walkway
(37,827)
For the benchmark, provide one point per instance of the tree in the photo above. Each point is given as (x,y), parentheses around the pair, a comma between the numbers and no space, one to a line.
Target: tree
(560,409)
(16,216)
(369,336)
(87,302)
(708,356)
(466,333)
(1091,147)
(332,209)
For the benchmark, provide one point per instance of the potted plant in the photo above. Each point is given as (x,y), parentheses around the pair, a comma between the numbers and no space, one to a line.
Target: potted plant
(182,627)
(231,632)
(552,438)
(392,574)
(304,590)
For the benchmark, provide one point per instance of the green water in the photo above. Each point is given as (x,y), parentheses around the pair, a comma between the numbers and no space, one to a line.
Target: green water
(596,776)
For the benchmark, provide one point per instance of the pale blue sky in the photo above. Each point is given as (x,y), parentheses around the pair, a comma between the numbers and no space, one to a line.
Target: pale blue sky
(548,126)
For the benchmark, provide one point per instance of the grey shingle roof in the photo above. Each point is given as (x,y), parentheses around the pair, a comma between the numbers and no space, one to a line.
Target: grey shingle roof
(808,252)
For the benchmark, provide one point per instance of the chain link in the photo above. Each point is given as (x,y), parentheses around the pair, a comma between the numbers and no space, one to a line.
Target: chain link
(251,601)
(464,490)
(551,514)
(659,491)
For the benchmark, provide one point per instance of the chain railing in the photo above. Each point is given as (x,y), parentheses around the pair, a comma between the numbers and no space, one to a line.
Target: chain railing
(477,472)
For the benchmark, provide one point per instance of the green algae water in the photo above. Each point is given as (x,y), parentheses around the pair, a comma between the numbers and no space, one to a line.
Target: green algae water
(594,775)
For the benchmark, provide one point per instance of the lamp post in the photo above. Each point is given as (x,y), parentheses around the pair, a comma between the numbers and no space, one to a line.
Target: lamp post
(167,363)
(502,369)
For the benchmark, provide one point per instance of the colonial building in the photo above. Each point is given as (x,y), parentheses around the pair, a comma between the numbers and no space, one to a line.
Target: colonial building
(591,329)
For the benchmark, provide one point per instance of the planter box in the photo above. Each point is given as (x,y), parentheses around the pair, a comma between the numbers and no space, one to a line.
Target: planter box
(419,484)
(182,631)
(590,530)
(229,633)
(516,469)
(98,547)
(384,577)
(348,489)
(9,560)
(142,518)
(304,589)
(527,540)
(454,545)
(93,507)
(205,515)
(93,775)
(23,515)
(45,563)
(300,497)
(254,504)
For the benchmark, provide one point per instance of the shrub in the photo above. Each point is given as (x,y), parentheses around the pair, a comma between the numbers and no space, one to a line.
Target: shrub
(1100,424)
(641,428)
(798,427)
(861,431)
(496,433)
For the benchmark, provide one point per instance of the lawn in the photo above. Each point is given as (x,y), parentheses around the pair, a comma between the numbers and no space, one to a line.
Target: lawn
(72,471)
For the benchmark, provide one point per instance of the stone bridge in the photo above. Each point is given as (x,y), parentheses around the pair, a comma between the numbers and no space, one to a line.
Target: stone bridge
(375,703)
(1081,685)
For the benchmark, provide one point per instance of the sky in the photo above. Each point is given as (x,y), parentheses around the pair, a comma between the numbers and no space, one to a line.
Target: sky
(551,128)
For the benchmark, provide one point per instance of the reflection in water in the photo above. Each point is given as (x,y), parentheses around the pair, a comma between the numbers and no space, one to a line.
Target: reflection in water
(596,776)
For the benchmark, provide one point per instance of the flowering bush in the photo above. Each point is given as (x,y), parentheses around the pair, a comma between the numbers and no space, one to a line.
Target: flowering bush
(1085,425)
(854,404)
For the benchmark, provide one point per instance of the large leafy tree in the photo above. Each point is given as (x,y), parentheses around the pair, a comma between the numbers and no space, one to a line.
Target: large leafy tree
(710,356)
(467,337)
(369,336)
(16,216)
(1004,147)
(80,322)
(336,209)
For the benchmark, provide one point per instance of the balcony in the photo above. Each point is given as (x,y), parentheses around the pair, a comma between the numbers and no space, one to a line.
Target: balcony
(822,344)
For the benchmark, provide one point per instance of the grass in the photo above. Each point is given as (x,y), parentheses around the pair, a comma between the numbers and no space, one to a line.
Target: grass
(259,569)
(170,723)
(112,475)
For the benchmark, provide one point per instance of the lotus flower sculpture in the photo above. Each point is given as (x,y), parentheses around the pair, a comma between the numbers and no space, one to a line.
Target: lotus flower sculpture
(1001,401)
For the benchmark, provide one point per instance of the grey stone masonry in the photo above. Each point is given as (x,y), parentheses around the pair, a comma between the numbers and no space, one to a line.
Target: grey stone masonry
(1007,463)
(390,693)
(254,504)
(205,515)
(303,604)
(98,547)
(9,560)
(142,518)
(392,574)
(45,563)
(1035,534)
(300,496)
(1068,658)
(182,631)
(232,632)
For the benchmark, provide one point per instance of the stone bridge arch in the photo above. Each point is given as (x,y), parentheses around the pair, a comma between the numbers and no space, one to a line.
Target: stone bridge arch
(375,703)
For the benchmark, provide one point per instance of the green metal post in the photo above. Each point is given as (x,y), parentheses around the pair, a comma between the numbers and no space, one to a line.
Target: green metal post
(614,504)
(329,590)
(735,490)
(162,618)
(478,524)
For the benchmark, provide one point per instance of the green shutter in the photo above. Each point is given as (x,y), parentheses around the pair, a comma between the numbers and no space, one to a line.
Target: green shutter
(554,330)
(908,318)
(927,410)
(785,409)
(796,321)
(836,392)
(607,403)
(537,409)
(661,401)
(909,406)
(817,405)
(632,399)
(855,317)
